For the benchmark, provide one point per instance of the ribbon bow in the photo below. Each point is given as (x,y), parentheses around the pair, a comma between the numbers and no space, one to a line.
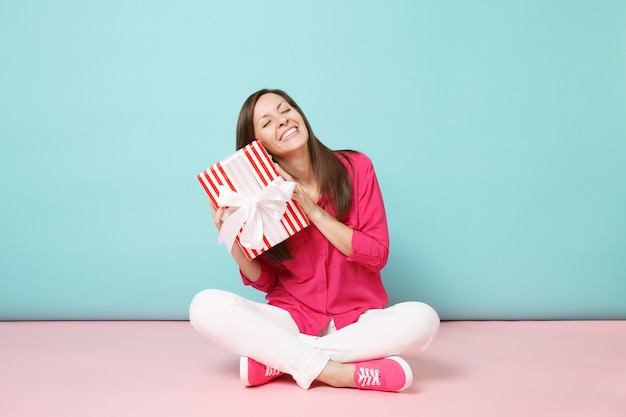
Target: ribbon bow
(249,211)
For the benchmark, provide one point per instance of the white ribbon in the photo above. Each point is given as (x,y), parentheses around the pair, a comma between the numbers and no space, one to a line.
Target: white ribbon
(249,211)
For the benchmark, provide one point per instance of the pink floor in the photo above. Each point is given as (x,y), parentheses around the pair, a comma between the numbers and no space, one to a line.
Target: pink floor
(503,369)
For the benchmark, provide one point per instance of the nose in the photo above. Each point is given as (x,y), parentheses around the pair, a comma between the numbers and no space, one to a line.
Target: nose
(282,121)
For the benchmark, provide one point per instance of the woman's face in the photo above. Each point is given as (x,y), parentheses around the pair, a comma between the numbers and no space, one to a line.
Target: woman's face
(278,126)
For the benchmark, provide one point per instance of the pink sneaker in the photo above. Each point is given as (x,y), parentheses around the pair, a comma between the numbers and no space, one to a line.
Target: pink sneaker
(254,373)
(389,374)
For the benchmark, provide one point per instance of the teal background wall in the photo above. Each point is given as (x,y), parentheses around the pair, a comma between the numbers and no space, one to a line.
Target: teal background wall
(497,129)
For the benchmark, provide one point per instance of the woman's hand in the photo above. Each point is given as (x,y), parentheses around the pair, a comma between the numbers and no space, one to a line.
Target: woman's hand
(217,216)
(337,233)
(249,268)
(300,195)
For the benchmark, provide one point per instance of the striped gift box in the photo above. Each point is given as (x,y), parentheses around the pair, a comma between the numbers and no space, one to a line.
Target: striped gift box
(249,170)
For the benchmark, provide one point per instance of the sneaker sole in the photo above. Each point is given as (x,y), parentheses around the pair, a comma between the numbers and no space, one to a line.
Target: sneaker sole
(243,370)
(408,373)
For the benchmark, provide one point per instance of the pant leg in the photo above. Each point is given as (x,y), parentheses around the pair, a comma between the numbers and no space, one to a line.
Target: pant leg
(404,329)
(260,331)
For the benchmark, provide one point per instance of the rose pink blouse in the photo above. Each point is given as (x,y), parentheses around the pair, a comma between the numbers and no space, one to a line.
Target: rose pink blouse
(320,283)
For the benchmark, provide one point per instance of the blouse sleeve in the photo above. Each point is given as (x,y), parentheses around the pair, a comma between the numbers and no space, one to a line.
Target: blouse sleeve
(266,280)
(370,240)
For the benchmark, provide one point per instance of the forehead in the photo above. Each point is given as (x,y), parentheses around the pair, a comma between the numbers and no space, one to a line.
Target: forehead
(266,104)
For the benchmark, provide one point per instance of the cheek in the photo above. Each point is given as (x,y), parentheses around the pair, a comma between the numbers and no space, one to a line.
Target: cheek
(305,132)
(256,133)
(260,137)
(267,144)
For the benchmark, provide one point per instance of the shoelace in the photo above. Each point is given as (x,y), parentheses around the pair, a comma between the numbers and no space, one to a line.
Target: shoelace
(368,377)
(271,371)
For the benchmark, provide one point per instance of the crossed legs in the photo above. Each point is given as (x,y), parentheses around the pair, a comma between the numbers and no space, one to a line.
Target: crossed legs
(269,335)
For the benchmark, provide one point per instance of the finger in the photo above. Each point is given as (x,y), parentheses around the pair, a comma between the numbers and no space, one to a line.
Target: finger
(218,217)
(213,208)
(283,173)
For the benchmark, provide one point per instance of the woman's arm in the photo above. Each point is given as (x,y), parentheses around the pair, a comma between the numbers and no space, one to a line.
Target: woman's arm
(250,269)
(337,233)
(370,242)
(366,239)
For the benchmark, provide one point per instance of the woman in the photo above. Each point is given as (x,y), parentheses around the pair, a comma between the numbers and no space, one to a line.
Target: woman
(327,317)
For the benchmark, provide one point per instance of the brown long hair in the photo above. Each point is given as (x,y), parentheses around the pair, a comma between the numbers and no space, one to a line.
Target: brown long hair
(331,174)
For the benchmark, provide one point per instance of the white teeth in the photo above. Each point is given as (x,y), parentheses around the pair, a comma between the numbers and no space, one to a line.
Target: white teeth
(288,133)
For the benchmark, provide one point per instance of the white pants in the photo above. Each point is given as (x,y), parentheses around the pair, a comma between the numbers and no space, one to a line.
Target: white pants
(270,336)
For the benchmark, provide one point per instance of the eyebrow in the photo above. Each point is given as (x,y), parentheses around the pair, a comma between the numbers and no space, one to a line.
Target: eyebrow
(277,107)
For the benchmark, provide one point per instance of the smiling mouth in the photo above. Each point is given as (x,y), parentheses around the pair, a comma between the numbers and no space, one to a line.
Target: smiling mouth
(288,134)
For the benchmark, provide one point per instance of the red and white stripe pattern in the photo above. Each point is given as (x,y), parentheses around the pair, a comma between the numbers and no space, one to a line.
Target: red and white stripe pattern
(250,169)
